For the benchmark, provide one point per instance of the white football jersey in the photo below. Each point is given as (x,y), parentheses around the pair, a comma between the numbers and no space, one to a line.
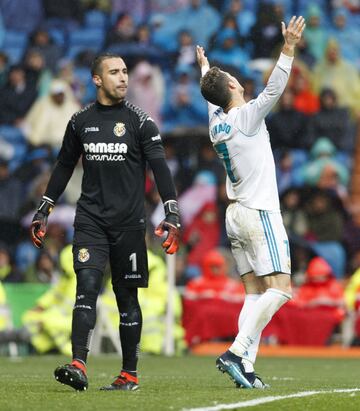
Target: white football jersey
(241,139)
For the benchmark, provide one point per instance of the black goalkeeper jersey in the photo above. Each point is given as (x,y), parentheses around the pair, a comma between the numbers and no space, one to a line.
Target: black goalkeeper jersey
(115,142)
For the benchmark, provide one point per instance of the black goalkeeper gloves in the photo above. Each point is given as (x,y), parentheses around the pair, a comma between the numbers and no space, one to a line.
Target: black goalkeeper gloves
(39,222)
(171,224)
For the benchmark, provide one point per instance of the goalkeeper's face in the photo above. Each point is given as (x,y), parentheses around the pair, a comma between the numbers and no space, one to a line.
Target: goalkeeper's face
(113,79)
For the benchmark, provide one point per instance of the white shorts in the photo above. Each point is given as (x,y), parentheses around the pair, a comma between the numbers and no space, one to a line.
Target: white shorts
(258,240)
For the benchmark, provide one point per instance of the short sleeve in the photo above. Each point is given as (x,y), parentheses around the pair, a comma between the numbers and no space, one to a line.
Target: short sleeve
(150,141)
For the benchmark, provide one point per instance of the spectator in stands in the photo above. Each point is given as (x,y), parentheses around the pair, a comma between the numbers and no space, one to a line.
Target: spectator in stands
(46,120)
(146,89)
(228,52)
(245,18)
(323,160)
(305,100)
(41,42)
(352,301)
(348,35)
(228,22)
(295,219)
(4,67)
(143,35)
(16,96)
(266,35)
(315,34)
(186,49)
(325,230)
(352,292)
(211,298)
(334,72)
(164,31)
(286,172)
(43,271)
(201,19)
(48,323)
(37,162)
(184,105)
(287,126)
(214,281)
(22,15)
(63,14)
(65,70)
(321,289)
(333,122)
(352,238)
(123,31)
(36,71)
(8,273)
(2,29)
(304,54)
(138,9)
(11,195)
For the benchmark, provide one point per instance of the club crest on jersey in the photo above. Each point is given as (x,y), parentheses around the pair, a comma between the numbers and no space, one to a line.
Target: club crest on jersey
(119,129)
(83,255)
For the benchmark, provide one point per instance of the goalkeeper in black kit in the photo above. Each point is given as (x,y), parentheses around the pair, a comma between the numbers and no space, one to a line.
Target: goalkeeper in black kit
(115,139)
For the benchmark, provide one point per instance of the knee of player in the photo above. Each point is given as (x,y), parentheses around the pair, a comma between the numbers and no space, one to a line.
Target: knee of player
(280,282)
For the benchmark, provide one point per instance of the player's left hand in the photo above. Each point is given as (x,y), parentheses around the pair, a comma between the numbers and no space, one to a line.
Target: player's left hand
(171,224)
(292,33)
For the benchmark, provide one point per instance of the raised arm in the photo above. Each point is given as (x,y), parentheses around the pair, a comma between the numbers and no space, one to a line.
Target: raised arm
(204,67)
(261,106)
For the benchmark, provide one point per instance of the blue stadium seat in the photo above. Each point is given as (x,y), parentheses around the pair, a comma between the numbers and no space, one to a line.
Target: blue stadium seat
(14,54)
(87,37)
(15,39)
(25,255)
(95,19)
(58,36)
(11,134)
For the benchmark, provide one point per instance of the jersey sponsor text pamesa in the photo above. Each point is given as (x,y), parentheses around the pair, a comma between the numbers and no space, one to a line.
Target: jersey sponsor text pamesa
(105,151)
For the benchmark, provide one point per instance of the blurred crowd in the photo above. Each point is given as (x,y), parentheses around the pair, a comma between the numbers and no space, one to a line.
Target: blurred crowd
(46,48)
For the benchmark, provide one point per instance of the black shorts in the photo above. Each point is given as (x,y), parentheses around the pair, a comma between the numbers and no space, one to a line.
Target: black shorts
(94,246)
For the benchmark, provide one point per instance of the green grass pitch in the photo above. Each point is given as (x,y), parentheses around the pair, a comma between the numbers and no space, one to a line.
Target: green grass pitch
(179,383)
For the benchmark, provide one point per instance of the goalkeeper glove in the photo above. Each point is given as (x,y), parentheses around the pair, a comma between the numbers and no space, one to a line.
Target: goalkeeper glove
(39,222)
(171,224)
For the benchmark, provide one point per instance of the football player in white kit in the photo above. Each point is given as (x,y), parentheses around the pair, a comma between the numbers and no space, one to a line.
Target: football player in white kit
(253,220)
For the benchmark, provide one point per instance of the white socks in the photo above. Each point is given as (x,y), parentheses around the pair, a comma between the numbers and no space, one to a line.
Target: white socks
(258,312)
(250,355)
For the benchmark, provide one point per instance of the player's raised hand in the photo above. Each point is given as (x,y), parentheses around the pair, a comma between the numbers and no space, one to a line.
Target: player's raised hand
(171,224)
(292,33)
(201,58)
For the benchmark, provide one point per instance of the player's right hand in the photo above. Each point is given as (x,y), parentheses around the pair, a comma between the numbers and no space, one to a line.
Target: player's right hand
(201,58)
(39,222)
(171,224)
(38,229)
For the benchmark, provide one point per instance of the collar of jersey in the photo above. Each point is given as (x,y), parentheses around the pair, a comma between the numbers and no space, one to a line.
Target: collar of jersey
(109,108)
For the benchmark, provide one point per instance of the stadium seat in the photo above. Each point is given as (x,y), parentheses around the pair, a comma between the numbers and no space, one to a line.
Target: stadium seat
(87,37)
(58,36)
(14,54)
(15,39)
(11,134)
(95,19)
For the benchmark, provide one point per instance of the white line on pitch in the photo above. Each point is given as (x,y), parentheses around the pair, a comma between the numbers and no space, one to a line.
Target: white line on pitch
(263,400)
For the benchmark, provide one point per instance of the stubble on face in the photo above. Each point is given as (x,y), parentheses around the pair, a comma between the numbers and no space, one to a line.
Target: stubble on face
(114,80)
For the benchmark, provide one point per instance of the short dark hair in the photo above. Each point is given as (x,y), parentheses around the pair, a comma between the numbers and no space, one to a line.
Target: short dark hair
(96,64)
(214,87)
